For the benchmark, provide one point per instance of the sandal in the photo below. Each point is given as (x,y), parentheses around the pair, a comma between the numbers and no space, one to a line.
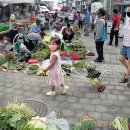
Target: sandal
(124,80)
(128,85)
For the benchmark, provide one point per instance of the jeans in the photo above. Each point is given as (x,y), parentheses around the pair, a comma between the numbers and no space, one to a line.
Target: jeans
(99,49)
(114,32)
(87,28)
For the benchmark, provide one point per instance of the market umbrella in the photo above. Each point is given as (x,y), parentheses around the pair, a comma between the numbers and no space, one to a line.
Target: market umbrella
(21,1)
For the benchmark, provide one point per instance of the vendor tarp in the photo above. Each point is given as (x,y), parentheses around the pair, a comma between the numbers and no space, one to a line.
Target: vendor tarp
(18,1)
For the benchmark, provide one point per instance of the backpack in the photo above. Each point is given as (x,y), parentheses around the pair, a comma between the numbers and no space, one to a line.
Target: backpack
(104,32)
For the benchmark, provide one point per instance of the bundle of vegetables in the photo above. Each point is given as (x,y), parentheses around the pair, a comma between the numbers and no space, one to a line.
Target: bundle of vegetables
(4,27)
(82,53)
(79,66)
(77,43)
(76,29)
(41,73)
(120,124)
(2,59)
(47,39)
(64,54)
(14,65)
(90,66)
(40,55)
(36,123)
(85,125)
(32,69)
(15,116)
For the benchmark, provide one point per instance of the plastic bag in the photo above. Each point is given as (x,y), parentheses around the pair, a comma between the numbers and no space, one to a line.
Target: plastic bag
(54,123)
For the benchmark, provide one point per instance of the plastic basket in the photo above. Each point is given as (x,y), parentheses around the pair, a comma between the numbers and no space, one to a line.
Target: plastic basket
(74,56)
(33,61)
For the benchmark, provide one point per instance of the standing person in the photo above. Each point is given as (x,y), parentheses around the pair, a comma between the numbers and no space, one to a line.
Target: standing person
(47,16)
(101,34)
(115,28)
(125,50)
(87,22)
(36,27)
(95,25)
(55,76)
(80,20)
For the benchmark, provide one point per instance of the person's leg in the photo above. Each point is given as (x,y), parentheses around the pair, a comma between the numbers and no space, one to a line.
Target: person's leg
(97,49)
(86,30)
(65,88)
(101,50)
(52,92)
(79,24)
(52,88)
(123,60)
(116,37)
(122,57)
(111,37)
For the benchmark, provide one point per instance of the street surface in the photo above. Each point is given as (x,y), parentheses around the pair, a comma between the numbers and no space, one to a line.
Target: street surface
(82,99)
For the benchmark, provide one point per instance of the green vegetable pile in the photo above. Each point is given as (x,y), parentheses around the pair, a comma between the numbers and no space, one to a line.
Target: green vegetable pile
(33,67)
(120,124)
(36,124)
(15,116)
(41,55)
(4,27)
(77,43)
(79,66)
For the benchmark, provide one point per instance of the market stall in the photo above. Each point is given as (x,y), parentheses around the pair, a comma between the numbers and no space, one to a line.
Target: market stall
(20,116)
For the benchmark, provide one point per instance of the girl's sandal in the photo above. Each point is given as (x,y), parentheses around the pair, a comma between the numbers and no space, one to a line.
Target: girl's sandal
(128,85)
(124,80)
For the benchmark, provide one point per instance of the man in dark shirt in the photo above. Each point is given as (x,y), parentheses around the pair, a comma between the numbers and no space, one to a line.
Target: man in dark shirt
(115,28)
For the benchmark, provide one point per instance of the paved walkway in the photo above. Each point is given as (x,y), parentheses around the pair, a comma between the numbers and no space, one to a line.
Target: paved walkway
(82,99)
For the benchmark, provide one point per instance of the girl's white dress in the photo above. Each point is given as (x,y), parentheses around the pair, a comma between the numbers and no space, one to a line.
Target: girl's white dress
(55,77)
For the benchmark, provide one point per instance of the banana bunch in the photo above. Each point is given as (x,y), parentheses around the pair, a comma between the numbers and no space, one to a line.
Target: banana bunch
(41,73)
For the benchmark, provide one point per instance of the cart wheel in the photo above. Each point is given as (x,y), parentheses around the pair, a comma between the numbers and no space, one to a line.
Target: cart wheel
(100,88)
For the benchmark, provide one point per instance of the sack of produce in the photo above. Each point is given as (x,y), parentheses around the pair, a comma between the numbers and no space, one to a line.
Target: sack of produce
(32,69)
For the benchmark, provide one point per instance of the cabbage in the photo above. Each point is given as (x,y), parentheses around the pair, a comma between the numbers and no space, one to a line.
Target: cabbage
(35,125)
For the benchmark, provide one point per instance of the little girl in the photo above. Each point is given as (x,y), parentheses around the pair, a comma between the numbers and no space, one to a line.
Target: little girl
(55,76)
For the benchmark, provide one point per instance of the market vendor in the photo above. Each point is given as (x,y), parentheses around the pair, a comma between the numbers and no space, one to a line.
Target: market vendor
(36,27)
(68,33)
(33,38)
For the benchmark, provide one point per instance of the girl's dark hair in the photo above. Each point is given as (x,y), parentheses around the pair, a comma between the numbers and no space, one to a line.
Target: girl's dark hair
(115,11)
(58,42)
(102,11)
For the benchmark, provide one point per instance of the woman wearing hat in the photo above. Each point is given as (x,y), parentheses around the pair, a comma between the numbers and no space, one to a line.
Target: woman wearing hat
(36,27)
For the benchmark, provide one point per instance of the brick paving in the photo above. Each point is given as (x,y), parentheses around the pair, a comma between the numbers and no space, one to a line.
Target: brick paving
(82,99)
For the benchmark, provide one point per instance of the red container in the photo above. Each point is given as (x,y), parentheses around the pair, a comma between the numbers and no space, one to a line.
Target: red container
(74,56)
(33,61)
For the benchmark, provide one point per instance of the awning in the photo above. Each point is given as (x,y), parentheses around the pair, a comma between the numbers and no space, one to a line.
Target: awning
(17,1)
